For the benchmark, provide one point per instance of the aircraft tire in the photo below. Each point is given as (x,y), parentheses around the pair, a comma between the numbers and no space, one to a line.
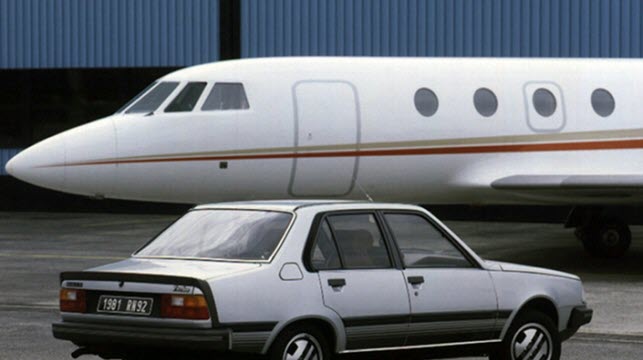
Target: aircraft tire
(583,233)
(608,238)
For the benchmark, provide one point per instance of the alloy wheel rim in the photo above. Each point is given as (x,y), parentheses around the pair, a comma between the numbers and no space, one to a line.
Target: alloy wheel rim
(532,341)
(303,347)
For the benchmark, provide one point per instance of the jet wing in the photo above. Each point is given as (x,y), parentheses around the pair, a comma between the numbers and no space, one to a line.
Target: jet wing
(573,185)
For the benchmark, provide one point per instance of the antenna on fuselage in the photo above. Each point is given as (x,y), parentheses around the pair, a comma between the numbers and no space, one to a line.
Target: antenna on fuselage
(363,191)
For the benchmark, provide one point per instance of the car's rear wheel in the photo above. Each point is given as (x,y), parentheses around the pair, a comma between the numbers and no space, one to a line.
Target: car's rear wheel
(300,342)
(532,335)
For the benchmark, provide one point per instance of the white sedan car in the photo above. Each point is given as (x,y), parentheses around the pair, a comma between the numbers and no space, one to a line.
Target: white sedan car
(313,279)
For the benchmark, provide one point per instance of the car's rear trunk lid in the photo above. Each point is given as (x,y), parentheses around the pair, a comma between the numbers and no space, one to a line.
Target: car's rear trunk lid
(198,269)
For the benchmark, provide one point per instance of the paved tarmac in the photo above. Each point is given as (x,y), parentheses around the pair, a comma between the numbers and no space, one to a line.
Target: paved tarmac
(36,247)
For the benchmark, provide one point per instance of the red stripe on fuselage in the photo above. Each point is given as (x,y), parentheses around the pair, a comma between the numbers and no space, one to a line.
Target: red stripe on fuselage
(479,149)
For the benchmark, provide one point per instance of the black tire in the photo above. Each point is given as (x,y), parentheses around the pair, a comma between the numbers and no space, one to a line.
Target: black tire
(580,233)
(610,238)
(296,340)
(531,332)
(583,234)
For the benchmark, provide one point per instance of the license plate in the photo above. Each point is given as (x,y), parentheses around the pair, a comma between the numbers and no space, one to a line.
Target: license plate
(125,305)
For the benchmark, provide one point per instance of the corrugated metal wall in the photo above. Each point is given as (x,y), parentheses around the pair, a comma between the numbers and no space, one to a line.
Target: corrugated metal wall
(5,156)
(556,28)
(134,33)
(107,33)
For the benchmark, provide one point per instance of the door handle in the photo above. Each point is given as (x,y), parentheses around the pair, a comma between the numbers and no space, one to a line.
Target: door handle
(336,282)
(415,280)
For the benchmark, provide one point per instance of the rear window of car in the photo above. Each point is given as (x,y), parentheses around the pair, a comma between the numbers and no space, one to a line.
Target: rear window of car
(221,234)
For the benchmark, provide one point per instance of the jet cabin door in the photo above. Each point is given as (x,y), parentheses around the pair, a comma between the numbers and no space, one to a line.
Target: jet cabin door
(327,123)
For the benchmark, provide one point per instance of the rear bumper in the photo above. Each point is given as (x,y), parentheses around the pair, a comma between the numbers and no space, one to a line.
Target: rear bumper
(581,315)
(102,334)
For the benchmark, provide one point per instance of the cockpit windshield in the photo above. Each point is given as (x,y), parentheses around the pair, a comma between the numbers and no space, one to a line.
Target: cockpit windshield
(222,96)
(187,98)
(226,96)
(153,98)
(138,96)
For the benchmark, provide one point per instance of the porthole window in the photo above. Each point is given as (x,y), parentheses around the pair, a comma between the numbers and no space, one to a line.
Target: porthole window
(485,102)
(603,102)
(544,102)
(426,102)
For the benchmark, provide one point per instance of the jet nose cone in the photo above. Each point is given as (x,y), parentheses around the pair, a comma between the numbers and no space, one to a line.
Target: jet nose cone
(9,167)
(41,164)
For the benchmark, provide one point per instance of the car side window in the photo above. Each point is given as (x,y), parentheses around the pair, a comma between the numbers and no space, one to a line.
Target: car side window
(324,255)
(422,245)
(360,241)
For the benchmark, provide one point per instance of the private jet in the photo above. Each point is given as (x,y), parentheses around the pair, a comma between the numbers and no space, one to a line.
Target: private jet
(418,130)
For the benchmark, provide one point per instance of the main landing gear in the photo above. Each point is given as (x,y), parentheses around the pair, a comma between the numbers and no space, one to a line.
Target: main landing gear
(603,232)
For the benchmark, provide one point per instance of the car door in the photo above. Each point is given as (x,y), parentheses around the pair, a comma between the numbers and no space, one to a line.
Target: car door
(452,299)
(359,281)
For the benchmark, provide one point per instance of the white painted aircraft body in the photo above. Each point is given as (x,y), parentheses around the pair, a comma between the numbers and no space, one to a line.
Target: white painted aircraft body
(327,127)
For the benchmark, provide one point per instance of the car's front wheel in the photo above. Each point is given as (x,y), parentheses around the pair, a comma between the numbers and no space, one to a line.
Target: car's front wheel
(532,335)
(300,342)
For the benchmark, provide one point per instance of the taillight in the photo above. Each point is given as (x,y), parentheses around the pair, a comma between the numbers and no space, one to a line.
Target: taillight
(193,307)
(72,300)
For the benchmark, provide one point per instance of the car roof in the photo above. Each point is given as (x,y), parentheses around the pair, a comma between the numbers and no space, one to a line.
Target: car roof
(294,205)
